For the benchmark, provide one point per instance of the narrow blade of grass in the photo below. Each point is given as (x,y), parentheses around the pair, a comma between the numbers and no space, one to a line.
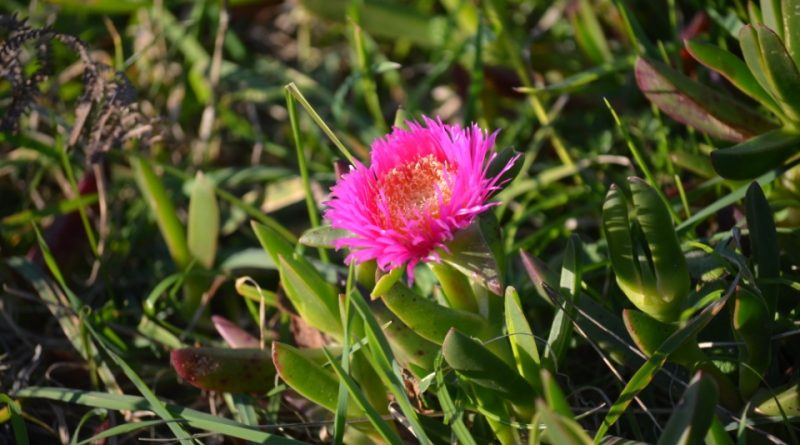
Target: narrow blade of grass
(17,422)
(193,418)
(156,405)
(646,372)
(373,416)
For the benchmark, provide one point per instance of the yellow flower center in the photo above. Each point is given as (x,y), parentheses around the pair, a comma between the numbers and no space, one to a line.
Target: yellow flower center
(415,187)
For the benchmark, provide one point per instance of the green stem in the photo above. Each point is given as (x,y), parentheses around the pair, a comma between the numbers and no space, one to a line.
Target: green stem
(637,156)
(292,88)
(87,226)
(313,214)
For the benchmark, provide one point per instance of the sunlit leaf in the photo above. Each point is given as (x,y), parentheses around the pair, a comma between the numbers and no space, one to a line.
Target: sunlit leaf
(203,224)
(734,69)
(475,362)
(308,378)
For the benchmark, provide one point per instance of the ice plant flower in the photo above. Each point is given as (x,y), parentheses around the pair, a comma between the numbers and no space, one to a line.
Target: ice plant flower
(422,186)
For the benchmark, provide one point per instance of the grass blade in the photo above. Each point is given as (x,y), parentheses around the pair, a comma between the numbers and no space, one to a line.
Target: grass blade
(693,415)
(646,372)
(193,418)
(523,343)
(17,422)
(383,361)
(561,328)
(156,405)
(374,417)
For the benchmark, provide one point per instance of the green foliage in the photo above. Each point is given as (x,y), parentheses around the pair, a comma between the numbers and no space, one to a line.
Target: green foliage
(645,254)
(162,225)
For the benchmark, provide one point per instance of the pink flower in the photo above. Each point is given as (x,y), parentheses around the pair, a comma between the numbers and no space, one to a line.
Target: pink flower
(423,185)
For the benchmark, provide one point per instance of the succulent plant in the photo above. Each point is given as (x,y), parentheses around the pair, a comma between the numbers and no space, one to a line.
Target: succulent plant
(769,73)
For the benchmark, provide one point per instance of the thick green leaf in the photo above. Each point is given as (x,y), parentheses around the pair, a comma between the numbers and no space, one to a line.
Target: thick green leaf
(717,435)
(751,320)
(431,320)
(616,227)
(314,299)
(161,205)
(649,334)
(754,13)
(225,370)
(734,69)
(772,15)
(523,343)
(554,395)
(308,378)
(647,259)
(772,66)
(386,281)
(203,224)
(783,402)
(753,57)
(560,429)
(696,105)
(497,411)
(193,418)
(455,287)
(644,375)
(561,328)
(763,243)
(780,69)
(757,155)
(664,252)
(407,345)
(323,236)
(472,360)
(791,28)
(693,415)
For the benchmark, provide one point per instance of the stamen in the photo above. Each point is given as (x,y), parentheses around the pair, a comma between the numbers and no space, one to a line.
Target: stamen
(415,188)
